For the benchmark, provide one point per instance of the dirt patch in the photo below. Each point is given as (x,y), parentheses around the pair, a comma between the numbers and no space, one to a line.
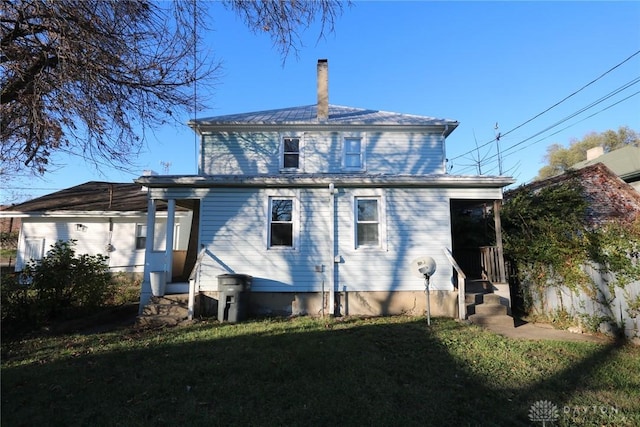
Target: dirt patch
(109,319)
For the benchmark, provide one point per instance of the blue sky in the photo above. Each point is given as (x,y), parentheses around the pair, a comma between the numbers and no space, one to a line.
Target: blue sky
(480,63)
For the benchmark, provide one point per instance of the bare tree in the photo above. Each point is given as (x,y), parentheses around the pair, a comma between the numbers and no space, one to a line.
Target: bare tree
(85,76)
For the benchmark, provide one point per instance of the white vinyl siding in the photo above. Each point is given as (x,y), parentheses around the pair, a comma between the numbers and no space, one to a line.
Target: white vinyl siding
(263,153)
(97,235)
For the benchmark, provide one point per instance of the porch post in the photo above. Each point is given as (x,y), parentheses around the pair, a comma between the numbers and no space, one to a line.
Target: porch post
(497,204)
(168,254)
(145,292)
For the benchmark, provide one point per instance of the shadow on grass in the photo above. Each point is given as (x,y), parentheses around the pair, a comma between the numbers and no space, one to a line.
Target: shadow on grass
(355,373)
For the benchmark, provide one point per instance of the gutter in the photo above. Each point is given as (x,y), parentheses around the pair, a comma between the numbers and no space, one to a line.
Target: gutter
(323,180)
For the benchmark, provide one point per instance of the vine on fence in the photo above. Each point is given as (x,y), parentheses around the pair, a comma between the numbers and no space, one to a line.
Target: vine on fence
(548,237)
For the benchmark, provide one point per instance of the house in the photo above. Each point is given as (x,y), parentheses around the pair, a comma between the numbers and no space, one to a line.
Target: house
(102,217)
(624,162)
(609,197)
(324,206)
(610,302)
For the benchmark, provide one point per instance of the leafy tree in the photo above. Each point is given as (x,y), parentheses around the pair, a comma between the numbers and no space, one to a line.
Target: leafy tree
(82,76)
(560,159)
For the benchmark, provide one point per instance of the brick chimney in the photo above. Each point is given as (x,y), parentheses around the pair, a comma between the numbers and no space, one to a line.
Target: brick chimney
(323,90)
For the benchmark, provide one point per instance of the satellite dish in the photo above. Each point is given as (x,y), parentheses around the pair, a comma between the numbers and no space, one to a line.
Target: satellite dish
(424,265)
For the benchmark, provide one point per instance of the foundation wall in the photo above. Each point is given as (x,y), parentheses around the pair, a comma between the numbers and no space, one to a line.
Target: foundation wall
(414,303)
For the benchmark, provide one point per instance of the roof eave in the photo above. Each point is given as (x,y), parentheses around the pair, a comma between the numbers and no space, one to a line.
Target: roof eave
(208,128)
(295,180)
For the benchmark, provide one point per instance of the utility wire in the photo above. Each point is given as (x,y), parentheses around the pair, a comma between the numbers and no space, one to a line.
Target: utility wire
(553,106)
(510,148)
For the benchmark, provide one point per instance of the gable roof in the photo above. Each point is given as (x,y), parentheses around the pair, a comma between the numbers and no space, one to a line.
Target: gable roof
(90,196)
(338,116)
(624,162)
(608,196)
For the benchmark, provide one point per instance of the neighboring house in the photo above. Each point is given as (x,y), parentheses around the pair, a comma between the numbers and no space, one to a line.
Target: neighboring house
(324,206)
(104,218)
(610,200)
(624,162)
(609,197)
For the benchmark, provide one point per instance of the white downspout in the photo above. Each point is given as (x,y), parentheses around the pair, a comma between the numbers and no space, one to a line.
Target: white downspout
(444,149)
(332,254)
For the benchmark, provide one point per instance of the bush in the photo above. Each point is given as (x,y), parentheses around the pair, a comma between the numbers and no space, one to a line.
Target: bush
(60,285)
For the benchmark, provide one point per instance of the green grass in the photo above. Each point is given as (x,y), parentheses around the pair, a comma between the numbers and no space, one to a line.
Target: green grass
(371,372)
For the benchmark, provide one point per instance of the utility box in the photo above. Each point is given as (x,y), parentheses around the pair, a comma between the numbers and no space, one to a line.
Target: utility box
(233,297)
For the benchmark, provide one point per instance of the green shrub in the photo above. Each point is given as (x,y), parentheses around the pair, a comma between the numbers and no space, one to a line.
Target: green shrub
(60,285)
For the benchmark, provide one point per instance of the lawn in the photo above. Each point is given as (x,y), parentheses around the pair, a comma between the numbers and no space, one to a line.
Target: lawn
(392,371)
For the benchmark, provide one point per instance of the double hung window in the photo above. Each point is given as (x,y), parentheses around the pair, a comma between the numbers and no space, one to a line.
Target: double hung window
(141,236)
(353,149)
(282,215)
(291,153)
(367,222)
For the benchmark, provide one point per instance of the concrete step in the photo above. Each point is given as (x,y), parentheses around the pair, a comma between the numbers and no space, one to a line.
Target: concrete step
(157,321)
(171,299)
(477,286)
(473,297)
(165,310)
(491,299)
(492,319)
(491,309)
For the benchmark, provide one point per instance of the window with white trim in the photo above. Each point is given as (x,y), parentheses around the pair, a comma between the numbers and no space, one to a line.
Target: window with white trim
(282,228)
(291,153)
(33,249)
(141,236)
(353,153)
(368,223)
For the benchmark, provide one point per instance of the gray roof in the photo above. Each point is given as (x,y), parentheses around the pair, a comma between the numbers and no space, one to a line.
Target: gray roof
(338,116)
(624,162)
(90,196)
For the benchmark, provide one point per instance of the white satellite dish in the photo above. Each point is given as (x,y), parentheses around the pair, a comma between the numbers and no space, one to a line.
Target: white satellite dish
(423,265)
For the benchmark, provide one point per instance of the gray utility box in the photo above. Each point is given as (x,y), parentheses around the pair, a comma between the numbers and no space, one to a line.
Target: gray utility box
(233,297)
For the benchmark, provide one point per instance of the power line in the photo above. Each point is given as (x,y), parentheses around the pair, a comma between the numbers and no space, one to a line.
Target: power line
(553,106)
(510,148)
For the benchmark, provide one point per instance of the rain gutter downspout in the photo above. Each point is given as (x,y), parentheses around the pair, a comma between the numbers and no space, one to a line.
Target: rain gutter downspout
(332,255)
(444,149)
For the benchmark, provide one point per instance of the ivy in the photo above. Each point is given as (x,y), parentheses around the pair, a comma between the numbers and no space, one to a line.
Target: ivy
(545,231)
(550,242)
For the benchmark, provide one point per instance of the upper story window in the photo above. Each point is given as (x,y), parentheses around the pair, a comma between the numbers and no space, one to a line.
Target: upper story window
(291,153)
(353,148)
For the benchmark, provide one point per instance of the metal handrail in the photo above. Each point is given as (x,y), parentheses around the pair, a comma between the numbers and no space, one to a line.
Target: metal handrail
(462,305)
(194,278)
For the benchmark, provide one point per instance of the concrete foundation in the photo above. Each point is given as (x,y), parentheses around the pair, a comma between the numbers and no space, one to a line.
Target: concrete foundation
(442,303)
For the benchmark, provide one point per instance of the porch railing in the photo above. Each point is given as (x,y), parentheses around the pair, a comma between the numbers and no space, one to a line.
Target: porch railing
(492,262)
(194,282)
(462,305)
